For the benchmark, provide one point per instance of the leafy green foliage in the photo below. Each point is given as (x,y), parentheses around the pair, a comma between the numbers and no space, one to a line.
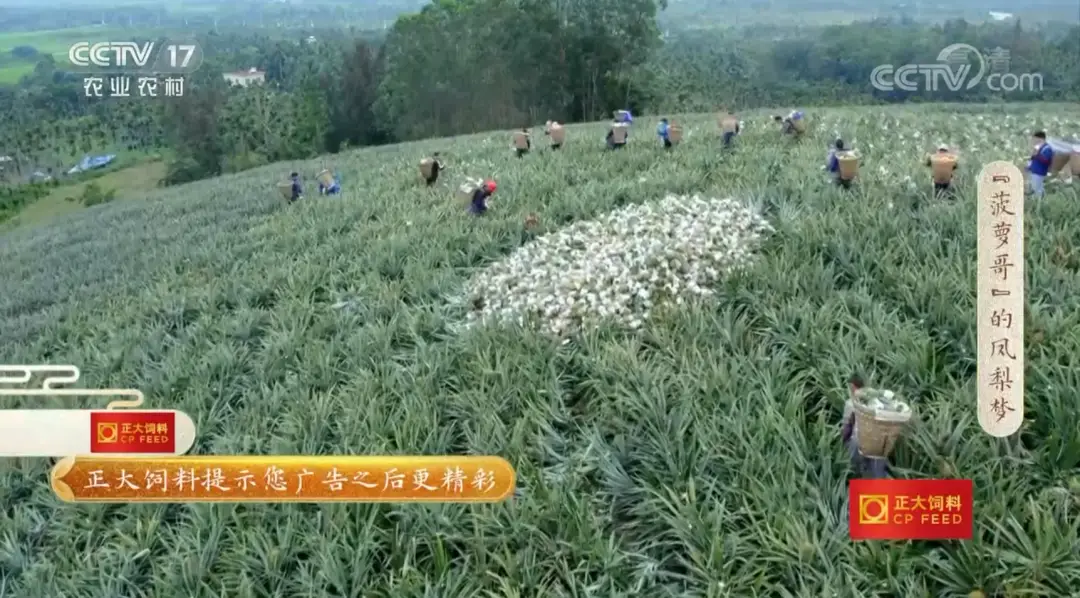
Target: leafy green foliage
(699,457)
(93,195)
(183,170)
(832,65)
(13,199)
(24,52)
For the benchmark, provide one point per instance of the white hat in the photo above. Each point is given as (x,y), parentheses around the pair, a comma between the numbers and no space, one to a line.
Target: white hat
(942,147)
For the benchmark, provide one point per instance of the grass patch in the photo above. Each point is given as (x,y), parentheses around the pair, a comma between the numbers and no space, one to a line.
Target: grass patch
(127,183)
(11,73)
(58,41)
(699,457)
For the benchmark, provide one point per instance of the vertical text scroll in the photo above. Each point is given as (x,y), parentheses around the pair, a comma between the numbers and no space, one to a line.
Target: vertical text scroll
(1001,299)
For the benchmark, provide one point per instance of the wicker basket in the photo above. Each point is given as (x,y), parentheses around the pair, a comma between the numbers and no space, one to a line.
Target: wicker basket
(1062,152)
(1071,156)
(466,190)
(729,124)
(285,188)
(849,165)
(326,178)
(1058,162)
(558,134)
(521,141)
(1072,169)
(619,133)
(427,166)
(943,166)
(799,125)
(876,432)
(675,134)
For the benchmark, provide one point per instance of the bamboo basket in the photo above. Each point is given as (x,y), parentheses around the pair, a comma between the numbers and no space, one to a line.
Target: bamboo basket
(849,165)
(942,167)
(285,188)
(558,134)
(729,124)
(876,431)
(466,190)
(1063,151)
(326,178)
(675,134)
(799,125)
(1074,163)
(619,133)
(427,165)
(1071,152)
(521,141)
(1059,161)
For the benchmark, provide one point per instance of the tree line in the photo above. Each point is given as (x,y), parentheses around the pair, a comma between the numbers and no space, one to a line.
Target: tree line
(207,15)
(460,66)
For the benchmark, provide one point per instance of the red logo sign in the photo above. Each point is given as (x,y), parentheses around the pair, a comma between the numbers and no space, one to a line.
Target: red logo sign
(132,432)
(910,509)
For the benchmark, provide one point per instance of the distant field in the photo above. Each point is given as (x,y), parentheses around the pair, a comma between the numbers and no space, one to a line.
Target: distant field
(55,41)
(52,41)
(10,73)
(707,20)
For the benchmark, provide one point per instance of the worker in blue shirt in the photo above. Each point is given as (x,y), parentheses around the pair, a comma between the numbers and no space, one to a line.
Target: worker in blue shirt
(792,124)
(480,196)
(832,164)
(297,192)
(1039,165)
(331,189)
(662,133)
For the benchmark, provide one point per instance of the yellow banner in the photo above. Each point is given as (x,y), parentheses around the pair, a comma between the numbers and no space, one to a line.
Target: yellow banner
(291,478)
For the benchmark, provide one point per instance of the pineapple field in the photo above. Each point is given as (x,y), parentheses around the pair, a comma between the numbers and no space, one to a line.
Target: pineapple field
(658,341)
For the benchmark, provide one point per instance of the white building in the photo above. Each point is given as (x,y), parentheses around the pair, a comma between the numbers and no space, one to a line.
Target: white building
(245,78)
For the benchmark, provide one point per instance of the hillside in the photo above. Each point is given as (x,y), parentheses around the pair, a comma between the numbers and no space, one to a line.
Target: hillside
(696,457)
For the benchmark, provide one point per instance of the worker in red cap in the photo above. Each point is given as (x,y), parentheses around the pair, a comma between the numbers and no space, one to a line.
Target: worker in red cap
(481,196)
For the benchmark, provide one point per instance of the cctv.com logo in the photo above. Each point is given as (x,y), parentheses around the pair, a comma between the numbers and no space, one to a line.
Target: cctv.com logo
(953,72)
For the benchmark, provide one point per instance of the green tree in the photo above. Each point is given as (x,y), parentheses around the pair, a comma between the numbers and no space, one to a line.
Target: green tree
(194,120)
